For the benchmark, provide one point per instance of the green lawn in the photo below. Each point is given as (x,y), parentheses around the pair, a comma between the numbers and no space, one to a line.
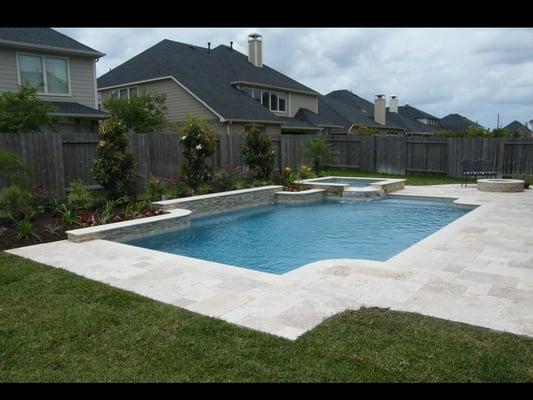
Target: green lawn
(55,326)
(411,179)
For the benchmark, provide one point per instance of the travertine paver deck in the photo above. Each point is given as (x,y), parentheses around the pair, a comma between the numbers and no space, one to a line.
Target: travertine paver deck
(477,270)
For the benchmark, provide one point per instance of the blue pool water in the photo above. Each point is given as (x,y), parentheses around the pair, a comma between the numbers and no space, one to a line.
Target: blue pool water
(279,238)
(352,182)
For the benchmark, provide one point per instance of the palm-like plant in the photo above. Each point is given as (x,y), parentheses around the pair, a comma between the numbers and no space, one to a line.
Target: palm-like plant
(319,151)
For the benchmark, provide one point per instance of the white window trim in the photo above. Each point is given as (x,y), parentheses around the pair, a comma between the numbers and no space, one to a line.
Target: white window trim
(128,88)
(43,67)
(253,89)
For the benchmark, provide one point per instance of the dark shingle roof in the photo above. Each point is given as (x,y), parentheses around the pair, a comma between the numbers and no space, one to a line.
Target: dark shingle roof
(296,123)
(457,123)
(316,119)
(76,109)
(366,113)
(414,113)
(208,75)
(516,126)
(44,37)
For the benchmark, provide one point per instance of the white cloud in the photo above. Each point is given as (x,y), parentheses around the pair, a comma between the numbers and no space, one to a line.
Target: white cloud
(474,72)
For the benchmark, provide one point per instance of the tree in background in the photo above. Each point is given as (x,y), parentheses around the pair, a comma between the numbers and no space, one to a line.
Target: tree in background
(114,166)
(365,131)
(145,113)
(23,112)
(198,142)
(320,152)
(258,152)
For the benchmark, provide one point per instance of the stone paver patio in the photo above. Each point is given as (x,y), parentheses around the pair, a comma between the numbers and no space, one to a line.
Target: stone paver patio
(477,270)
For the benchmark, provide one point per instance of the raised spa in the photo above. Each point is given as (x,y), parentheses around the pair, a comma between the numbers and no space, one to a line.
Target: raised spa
(278,238)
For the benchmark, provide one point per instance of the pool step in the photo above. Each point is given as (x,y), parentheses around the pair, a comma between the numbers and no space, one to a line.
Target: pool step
(364,193)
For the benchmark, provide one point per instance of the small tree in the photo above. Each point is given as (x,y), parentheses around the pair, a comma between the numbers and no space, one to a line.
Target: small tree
(365,131)
(258,153)
(198,143)
(144,113)
(114,167)
(319,151)
(22,111)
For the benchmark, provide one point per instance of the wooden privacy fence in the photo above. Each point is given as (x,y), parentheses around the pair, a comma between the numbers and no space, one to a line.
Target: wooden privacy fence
(57,159)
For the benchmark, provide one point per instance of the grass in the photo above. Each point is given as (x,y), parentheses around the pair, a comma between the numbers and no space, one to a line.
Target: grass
(415,180)
(56,326)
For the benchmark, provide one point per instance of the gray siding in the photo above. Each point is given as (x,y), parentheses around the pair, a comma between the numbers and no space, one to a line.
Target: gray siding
(82,78)
(179,102)
(299,100)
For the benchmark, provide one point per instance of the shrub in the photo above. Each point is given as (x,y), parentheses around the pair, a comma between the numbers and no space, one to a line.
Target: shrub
(16,202)
(78,196)
(258,152)
(67,215)
(306,172)
(198,143)
(165,188)
(23,112)
(226,179)
(13,169)
(289,177)
(145,113)
(365,131)
(319,151)
(52,228)
(44,201)
(114,167)
(25,230)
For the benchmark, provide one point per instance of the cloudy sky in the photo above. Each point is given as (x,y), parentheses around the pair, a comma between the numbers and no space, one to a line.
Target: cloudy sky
(475,72)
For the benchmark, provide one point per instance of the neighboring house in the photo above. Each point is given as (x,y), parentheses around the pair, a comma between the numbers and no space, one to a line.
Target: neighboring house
(387,120)
(518,129)
(411,112)
(62,68)
(228,88)
(457,123)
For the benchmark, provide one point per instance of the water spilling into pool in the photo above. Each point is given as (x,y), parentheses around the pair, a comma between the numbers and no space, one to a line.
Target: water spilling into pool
(279,238)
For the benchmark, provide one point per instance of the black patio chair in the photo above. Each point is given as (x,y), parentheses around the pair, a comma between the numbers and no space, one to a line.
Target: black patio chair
(477,169)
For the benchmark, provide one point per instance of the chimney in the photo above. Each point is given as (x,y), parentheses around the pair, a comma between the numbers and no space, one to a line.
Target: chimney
(393,104)
(379,109)
(255,50)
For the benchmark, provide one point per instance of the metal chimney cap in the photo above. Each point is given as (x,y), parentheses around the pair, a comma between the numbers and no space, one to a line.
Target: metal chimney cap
(380,96)
(393,97)
(254,36)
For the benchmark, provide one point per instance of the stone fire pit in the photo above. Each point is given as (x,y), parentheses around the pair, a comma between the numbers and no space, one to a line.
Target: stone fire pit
(500,185)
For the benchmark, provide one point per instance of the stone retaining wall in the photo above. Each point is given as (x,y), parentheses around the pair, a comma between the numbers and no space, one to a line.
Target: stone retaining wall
(224,201)
(125,230)
(305,196)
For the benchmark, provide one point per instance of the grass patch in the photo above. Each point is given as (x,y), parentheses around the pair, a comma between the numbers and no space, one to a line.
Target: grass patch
(56,326)
(415,180)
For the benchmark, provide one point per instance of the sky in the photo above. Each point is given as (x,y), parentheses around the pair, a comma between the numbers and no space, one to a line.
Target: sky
(474,72)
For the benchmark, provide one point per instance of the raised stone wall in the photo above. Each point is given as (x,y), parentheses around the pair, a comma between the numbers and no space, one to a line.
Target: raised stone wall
(175,219)
(305,196)
(224,201)
(500,185)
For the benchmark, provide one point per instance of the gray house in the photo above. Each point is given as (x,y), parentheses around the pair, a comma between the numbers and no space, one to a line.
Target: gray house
(62,68)
(230,89)
(517,129)
(457,123)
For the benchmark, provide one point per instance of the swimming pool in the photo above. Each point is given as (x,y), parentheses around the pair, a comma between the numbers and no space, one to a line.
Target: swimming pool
(279,238)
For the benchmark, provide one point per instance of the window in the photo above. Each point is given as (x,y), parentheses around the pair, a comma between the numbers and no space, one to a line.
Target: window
(273,101)
(49,74)
(31,71)
(57,75)
(125,93)
(266,99)
(281,99)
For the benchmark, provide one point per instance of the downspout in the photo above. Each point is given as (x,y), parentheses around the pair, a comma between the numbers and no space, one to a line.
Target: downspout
(227,127)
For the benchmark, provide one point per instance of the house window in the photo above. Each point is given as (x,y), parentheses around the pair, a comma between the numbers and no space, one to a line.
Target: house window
(125,93)
(48,74)
(281,99)
(274,101)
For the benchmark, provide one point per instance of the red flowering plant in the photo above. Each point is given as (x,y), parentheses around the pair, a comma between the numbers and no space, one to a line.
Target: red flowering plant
(87,220)
(289,179)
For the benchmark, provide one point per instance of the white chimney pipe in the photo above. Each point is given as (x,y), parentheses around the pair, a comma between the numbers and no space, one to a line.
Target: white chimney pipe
(394,104)
(255,50)
(379,109)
